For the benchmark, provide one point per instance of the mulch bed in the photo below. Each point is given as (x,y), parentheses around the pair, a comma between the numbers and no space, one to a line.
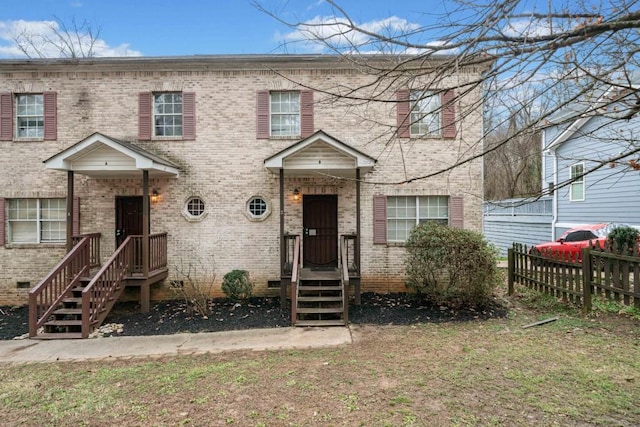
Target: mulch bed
(170,317)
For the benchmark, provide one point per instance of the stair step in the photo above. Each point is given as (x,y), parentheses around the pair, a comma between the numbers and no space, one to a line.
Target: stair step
(320,288)
(319,299)
(76,301)
(58,336)
(69,311)
(315,310)
(63,323)
(332,322)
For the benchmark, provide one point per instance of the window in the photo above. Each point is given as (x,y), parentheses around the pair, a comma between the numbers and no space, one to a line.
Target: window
(257,208)
(30,116)
(285,113)
(195,207)
(167,114)
(577,182)
(405,212)
(425,114)
(36,220)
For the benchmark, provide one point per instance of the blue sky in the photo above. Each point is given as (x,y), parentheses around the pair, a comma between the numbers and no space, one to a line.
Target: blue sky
(186,27)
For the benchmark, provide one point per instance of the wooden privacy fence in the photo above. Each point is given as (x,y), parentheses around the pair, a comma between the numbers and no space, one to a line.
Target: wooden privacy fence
(592,272)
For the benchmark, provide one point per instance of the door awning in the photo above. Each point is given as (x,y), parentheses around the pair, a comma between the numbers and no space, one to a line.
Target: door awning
(320,154)
(100,156)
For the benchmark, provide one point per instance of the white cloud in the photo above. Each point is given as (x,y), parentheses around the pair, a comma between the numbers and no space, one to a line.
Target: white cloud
(42,39)
(336,32)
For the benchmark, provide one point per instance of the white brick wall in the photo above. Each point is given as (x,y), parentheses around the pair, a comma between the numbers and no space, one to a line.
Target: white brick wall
(224,165)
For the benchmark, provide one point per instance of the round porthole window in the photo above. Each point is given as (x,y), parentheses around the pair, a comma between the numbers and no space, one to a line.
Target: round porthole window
(257,208)
(194,209)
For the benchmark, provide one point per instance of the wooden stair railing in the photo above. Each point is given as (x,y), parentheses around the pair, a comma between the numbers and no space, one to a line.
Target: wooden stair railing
(99,296)
(295,280)
(343,264)
(49,293)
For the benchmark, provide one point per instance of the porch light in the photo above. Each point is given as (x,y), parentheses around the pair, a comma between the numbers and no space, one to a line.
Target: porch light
(296,195)
(154,196)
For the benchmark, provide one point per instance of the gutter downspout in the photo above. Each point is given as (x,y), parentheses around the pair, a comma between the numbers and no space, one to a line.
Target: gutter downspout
(554,219)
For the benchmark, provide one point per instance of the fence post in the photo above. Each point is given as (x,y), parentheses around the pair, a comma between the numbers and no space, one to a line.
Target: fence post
(511,270)
(586,280)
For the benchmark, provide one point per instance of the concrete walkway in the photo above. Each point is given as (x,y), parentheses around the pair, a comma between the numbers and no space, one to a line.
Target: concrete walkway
(28,351)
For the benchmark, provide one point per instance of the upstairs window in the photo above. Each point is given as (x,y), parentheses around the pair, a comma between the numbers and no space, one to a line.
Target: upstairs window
(284,114)
(166,115)
(577,183)
(425,114)
(30,116)
(36,220)
(27,116)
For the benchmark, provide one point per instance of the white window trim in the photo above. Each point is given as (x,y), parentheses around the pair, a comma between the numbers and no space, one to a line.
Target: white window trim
(17,122)
(153,116)
(423,95)
(271,114)
(192,218)
(417,213)
(38,221)
(259,218)
(582,181)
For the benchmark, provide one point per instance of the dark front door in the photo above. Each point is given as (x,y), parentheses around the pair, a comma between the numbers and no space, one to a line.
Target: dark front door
(128,217)
(320,222)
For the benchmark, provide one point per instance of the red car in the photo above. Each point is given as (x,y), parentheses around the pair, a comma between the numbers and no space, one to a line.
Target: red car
(567,247)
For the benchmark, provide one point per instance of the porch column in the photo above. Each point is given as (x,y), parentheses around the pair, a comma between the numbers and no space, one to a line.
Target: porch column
(69,210)
(145,223)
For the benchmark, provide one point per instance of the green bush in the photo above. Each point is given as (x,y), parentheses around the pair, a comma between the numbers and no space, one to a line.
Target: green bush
(236,285)
(451,266)
(623,240)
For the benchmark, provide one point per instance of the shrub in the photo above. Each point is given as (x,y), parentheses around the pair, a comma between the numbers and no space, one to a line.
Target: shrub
(623,240)
(194,282)
(236,285)
(451,266)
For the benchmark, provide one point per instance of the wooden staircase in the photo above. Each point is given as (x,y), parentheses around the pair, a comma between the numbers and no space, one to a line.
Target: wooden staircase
(320,299)
(65,321)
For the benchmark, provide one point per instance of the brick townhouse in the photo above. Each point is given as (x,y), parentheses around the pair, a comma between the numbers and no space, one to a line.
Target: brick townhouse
(227,162)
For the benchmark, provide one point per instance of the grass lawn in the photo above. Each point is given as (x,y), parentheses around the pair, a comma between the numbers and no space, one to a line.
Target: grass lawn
(575,371)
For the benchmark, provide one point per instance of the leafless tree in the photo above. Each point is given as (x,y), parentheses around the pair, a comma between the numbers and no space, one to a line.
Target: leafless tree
(58,39)
(562,55)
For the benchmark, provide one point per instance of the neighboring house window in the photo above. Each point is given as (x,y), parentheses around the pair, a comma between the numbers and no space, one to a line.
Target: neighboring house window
(395,216)
(284,114)
(257,208)
(166,115)
(28,116)
(36,220)
(577,182)
(405,212)
(425,114)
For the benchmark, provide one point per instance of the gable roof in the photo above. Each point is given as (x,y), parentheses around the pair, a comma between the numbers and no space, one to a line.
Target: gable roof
(320,154)
(101,156)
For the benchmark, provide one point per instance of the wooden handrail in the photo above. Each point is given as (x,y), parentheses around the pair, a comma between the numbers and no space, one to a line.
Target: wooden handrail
(99,292)
(344,272)
(157,252)
(295,277)
(94,247)
(49,292)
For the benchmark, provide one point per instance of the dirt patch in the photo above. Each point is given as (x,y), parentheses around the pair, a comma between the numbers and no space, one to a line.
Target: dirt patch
(171,317)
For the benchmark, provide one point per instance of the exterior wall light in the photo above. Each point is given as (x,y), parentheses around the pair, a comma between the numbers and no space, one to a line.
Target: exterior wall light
(296,195)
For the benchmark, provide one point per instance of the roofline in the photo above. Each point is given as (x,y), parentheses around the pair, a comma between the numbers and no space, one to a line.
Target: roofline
(219,61)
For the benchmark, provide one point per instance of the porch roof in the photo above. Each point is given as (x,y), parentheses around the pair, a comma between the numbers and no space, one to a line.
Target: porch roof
(100,156)
(320,154)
